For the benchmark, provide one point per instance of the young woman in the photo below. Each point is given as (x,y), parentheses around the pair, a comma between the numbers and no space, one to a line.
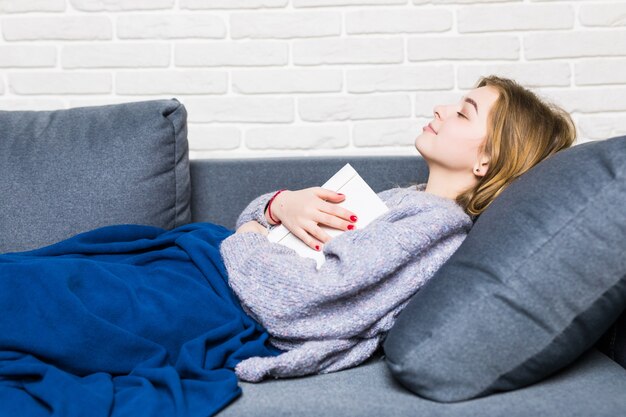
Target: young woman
(134,319)
(337,316)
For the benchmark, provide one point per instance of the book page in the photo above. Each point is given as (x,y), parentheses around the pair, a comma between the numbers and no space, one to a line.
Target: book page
(360,199)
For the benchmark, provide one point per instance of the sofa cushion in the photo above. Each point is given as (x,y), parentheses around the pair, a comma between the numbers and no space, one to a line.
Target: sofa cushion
(592,386)
(67,171)
(538,280)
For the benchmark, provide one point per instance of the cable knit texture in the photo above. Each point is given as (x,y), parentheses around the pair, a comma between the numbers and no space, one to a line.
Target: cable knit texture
(336,317)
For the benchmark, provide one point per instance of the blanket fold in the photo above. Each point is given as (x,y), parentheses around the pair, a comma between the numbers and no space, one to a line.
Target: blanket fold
(123,320)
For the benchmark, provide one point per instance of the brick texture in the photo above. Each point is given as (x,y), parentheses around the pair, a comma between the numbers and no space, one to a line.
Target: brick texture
(312,77)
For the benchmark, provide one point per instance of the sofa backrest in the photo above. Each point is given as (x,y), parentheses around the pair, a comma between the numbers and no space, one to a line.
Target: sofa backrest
(222,188)
(67,171)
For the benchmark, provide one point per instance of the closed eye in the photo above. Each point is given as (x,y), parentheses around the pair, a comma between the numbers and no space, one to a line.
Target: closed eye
(461,114)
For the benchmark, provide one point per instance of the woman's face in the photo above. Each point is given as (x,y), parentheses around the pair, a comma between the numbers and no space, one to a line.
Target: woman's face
(460,131)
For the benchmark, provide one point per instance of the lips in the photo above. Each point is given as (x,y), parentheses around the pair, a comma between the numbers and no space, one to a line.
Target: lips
(430,128)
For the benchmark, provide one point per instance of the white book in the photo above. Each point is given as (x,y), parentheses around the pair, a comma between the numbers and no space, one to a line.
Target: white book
(360,199)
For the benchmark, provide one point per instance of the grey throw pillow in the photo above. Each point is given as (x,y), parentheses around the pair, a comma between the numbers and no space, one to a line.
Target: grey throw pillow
(538,280)
(68,171)
(613,342)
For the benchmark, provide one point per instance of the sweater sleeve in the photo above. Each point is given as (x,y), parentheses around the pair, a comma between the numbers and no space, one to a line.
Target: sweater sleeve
(285,292)
(256,211)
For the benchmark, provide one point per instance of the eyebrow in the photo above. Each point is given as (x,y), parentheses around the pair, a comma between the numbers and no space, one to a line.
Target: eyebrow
(472,102)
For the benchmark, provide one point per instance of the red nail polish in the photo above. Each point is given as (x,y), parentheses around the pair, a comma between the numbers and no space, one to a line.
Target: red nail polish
(353,218)
(317,247)
(350,227)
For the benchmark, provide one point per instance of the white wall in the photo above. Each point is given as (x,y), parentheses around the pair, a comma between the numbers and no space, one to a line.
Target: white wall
(312,77)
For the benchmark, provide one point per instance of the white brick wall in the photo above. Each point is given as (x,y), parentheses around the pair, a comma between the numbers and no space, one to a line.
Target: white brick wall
(312,77)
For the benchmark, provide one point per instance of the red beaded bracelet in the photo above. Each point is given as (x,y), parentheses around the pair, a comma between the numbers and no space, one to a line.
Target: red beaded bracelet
(269,206)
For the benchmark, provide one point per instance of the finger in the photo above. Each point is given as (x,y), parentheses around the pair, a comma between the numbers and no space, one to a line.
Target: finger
(319,233)
(308,240)
(340,212)
(334,222)
(330,195)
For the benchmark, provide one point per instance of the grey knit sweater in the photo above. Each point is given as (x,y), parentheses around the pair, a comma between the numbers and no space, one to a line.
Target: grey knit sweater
(336,317)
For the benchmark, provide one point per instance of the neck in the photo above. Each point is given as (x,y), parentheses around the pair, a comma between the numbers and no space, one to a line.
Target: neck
(447,185)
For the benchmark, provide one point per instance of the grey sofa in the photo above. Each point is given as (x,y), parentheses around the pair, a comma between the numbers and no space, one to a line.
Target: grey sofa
(594,385)
(74,170)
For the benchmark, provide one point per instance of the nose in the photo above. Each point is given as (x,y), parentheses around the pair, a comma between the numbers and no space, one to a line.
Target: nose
(438,111)
(442,110)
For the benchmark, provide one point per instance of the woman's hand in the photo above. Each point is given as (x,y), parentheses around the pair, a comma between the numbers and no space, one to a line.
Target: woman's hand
(302,211)
(252,226)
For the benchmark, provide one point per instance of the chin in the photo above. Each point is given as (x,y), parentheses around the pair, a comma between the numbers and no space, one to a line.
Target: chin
(419,144)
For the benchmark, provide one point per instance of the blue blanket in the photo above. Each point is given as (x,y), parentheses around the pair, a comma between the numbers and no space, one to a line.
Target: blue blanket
(123,320)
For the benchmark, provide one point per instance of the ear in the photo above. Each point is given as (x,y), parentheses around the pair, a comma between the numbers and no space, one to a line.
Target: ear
(480,169)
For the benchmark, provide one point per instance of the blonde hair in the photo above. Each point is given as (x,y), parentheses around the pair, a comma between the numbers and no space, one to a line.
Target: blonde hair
(522,130)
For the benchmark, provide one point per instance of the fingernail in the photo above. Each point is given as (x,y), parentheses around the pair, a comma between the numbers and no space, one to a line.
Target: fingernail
(317,247)
(339,194)
(353,218)
(350,226)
